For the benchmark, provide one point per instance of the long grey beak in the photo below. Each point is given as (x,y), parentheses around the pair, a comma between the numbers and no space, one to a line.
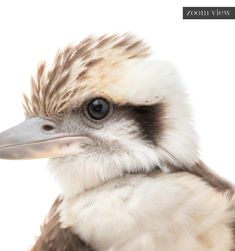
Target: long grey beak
(38,138)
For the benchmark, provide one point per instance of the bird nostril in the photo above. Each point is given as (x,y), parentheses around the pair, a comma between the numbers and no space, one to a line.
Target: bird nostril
(48,128)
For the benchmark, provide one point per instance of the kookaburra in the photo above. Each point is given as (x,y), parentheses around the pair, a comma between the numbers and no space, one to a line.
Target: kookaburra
(115,125)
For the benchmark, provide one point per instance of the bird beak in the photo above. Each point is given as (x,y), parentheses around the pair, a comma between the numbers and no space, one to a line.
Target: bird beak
(38,138)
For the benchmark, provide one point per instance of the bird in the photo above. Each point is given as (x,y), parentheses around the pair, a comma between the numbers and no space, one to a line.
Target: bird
(116,126)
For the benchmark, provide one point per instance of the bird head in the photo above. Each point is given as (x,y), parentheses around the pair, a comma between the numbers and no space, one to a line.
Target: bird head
(105,108)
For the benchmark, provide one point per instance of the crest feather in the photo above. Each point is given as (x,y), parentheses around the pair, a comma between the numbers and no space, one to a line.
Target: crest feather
(56,89)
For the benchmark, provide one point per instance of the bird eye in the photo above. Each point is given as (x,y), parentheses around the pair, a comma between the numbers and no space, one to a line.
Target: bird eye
(98,108)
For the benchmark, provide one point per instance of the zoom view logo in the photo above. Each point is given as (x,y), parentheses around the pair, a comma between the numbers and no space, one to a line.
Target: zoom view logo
(208,12)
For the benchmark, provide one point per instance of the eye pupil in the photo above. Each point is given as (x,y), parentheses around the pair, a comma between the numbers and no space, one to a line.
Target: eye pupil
(98,108)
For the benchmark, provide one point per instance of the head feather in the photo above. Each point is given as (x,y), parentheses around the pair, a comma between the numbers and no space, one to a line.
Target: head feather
(78,71)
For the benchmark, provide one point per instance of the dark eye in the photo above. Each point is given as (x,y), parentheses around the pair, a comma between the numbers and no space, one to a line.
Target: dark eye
(98,108)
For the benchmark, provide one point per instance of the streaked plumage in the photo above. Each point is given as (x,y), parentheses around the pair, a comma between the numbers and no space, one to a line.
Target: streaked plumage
(76,73)
(130,178)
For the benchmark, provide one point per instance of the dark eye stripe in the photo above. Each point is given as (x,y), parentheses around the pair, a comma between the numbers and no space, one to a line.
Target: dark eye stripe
(149,118)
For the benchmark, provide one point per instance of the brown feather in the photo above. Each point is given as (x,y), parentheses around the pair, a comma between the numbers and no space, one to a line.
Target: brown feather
(208,175)
(219,183)
(55,238)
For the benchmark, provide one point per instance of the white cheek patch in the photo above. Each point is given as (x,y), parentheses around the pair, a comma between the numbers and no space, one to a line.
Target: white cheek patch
(90,169)
(129,154)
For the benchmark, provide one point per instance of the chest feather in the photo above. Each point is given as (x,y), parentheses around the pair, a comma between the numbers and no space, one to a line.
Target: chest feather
(168,212)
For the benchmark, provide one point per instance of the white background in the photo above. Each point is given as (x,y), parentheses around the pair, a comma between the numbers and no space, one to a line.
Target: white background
(30,31)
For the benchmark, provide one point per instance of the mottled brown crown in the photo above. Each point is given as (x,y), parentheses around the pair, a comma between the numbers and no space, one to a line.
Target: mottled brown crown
(78,71)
